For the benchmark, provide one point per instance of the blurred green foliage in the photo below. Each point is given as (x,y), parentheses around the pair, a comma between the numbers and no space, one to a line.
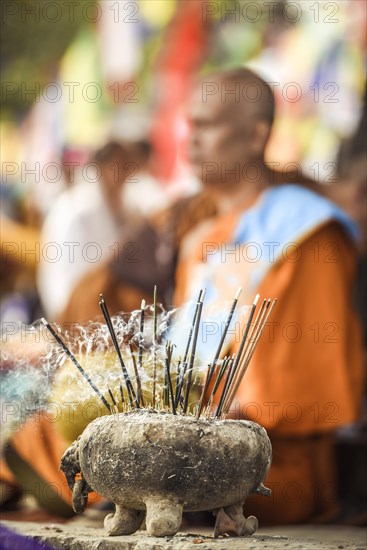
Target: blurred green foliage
(34,37)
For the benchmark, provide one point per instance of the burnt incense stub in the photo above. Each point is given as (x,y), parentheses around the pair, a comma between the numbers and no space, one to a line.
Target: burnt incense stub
(156,465)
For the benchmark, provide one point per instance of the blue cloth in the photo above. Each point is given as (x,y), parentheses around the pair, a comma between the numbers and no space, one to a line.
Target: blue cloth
(286,214)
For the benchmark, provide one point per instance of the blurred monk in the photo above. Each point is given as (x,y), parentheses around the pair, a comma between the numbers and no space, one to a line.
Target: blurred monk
(285,242)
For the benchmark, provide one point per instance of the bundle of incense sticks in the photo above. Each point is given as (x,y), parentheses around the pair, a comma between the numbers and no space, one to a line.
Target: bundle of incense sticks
(223,376)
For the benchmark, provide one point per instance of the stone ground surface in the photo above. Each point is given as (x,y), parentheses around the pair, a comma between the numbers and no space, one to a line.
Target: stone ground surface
(76,536)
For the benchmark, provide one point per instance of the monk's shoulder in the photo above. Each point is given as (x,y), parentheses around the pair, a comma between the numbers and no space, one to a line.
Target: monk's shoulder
(292,210)
(333,239)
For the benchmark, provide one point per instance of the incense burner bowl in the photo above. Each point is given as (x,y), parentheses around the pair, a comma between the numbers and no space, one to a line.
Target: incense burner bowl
(155,465)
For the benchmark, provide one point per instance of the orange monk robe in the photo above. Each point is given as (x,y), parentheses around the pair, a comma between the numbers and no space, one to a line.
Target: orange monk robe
(19,243)
(83,305)
(306,376)
(32,462)
(37,467)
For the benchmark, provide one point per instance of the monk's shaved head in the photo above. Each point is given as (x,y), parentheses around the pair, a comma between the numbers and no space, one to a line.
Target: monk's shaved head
(245,94)
(231,115)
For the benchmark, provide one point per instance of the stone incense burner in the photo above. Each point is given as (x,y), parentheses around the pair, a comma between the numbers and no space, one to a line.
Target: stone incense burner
(155,465)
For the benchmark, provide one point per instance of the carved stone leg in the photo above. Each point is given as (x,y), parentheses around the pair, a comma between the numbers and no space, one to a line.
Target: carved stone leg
(225,525)
(124,521)
(235,512)
(164,517)
(251,525)
(232,520)
(248,526)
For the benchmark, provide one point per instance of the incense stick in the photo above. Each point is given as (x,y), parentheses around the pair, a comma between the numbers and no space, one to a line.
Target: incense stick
(258,335)
(243,343)
(137,377)
(246,359)
(219,349)
(247,329)
(193,351)
(216,385)
(141,348)
(206,384)
(246,342)
(169,350)
(112,397)
(225,389)
(178,375)
(154,343)
(130,389)
(77,364)
(228,322)
(184,362)
(122,394)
